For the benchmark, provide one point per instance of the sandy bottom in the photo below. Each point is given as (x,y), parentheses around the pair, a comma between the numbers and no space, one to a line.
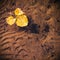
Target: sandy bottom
(40,40)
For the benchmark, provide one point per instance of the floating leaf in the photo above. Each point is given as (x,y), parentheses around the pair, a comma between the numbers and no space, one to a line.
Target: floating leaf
(10,20)
(22,21)
(18,11)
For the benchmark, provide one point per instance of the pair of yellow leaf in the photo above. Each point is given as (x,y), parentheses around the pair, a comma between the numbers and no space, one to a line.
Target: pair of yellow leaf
(20,20)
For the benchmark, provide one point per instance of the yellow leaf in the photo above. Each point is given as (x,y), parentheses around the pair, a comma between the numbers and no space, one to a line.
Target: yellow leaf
(10,20)
(22,21)
(18,11)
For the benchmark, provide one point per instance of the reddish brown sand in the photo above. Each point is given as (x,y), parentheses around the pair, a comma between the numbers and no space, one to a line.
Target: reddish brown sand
(40,40)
